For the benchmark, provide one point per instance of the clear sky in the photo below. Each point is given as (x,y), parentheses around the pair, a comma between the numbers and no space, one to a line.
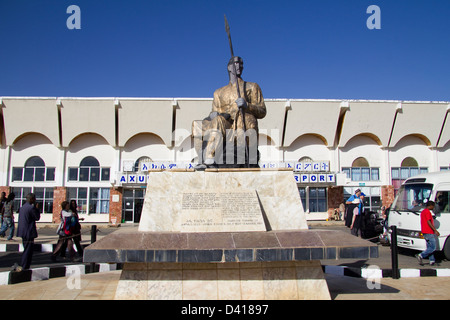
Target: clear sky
(296,49)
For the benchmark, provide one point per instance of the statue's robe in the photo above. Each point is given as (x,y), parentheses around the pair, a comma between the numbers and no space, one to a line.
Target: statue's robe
(227,125)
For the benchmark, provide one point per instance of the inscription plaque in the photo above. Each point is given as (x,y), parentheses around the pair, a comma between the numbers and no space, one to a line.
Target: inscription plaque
(221,210)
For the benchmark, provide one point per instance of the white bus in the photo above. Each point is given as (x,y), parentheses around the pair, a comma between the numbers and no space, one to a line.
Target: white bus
(411,200)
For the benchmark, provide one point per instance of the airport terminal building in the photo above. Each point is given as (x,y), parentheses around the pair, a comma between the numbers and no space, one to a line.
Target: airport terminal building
(98,150)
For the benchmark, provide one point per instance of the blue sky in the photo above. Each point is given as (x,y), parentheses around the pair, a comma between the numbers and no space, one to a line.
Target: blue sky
(294,49)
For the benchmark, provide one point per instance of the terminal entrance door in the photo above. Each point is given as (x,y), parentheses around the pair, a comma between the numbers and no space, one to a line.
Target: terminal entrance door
(133,200)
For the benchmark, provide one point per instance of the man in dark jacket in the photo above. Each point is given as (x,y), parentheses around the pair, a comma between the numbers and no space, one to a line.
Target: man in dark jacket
(28,215)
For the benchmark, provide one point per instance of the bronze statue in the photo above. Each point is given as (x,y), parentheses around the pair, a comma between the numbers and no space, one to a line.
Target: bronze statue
(228,137)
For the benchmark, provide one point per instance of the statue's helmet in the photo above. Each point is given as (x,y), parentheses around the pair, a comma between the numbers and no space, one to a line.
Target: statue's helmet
(237,61)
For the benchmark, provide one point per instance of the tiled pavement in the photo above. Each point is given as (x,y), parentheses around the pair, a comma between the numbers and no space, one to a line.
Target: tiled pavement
(102,286)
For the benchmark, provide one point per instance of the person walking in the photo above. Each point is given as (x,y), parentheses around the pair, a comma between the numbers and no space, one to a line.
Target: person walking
(76,236)
(65,239)
(2,203)
(355,225)
(26,229)
(77,229)
(8,217)
(351,202)
(429,234)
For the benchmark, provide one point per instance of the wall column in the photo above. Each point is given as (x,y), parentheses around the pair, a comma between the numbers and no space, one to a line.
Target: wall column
(387,195)
(59,195)
(115,206)
(335,198)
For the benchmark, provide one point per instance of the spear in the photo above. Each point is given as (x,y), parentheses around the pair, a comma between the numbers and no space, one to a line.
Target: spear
(227,29)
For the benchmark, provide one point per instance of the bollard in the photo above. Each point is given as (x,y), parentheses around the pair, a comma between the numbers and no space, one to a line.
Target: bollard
(394,253)
(93,239)
(93,233)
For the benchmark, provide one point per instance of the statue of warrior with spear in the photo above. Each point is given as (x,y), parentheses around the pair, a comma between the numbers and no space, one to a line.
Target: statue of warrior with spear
(232,122)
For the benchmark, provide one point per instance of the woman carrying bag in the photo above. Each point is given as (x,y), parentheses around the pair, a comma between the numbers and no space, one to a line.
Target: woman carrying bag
(77,228)
(65,231)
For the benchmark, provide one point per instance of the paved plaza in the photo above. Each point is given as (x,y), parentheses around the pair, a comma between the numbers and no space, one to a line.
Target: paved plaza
(102,285)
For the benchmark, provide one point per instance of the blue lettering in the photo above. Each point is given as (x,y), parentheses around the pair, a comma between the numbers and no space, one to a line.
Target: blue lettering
(123,179)
(144,167)
(141,178)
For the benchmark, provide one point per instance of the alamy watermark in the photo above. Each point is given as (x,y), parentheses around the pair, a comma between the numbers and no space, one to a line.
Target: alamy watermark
(73,278)
(373,275)
(74,20)
(374,21)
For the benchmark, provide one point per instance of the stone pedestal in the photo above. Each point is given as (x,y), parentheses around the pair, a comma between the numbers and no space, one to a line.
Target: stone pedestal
(281,264)
(224,234)
(209,201)
(223,281)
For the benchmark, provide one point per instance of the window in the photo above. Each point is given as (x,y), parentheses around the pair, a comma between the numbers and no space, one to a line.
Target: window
(412,197)
(89,170)
(97,198)
(137,164)
(409,168)
(34,170)
(409,162)
(44,197)
(20,199)
(302,192)
(360,162)
(361,171)
(80,196)
(442,202)
(362,174)
(317,199)
(313,199)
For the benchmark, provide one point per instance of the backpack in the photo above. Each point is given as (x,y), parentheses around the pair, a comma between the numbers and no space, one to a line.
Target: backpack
(69,225)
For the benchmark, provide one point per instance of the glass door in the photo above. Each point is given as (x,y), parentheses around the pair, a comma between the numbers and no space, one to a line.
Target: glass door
(133,200)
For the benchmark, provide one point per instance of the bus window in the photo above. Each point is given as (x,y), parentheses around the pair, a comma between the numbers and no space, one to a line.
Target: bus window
(442,202)
(412,197)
